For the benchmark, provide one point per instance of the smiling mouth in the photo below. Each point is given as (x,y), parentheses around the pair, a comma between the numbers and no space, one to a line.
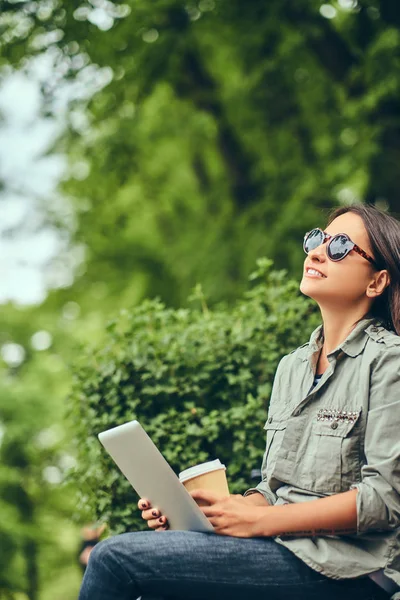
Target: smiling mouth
(314,273)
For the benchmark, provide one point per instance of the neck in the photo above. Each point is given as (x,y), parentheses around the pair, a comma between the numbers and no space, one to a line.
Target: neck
(337,326)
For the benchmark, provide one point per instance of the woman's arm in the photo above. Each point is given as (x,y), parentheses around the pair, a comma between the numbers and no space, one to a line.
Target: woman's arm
(334,515)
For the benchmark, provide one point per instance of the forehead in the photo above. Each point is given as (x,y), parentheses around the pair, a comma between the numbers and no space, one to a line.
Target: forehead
(353,225)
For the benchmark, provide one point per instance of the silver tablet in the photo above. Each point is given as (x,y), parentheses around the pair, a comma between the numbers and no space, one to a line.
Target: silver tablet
(151,476)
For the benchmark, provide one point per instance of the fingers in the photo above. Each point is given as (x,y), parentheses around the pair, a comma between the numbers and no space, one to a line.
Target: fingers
(155,520)
(212,512)
(206,496)
(152,513)
(154,523)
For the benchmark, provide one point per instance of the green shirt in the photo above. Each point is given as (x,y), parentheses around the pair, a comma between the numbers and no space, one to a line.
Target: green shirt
(342,434)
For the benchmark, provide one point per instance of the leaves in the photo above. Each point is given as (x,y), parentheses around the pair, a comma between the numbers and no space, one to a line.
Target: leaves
(198,381)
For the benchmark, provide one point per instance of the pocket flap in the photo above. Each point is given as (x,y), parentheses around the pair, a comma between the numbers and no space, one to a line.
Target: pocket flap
(275,424)
(337,423)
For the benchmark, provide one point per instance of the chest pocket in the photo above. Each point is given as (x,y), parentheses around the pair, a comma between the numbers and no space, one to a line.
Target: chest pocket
(275,428)
(332,454)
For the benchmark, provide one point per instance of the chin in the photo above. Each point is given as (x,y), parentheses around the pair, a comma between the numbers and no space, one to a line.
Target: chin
(303,287)
(306,289)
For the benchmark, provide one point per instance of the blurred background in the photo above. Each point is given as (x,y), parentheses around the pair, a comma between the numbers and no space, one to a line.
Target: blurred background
(146,147)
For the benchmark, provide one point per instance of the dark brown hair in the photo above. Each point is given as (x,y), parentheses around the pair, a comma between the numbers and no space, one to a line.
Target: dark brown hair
(384,236)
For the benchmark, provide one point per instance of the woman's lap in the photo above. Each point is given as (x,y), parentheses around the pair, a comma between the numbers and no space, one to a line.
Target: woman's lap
(183,564)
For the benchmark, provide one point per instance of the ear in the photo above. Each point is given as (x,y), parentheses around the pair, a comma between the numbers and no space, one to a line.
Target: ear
(378,284)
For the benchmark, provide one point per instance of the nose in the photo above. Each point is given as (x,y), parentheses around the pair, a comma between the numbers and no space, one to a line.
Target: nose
(319,253)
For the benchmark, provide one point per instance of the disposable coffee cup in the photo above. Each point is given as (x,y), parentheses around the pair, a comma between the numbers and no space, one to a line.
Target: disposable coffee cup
(210,476)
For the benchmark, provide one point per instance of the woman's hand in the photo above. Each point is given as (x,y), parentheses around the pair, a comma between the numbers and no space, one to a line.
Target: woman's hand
(155,520)
(232,515)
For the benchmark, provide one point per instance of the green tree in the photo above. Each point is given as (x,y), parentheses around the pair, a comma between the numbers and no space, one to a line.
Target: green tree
(223,130)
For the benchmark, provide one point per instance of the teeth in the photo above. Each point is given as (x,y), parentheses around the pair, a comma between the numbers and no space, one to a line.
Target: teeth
(314,272)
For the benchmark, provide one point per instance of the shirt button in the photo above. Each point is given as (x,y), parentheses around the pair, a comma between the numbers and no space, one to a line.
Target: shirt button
(270,420)
(334,425)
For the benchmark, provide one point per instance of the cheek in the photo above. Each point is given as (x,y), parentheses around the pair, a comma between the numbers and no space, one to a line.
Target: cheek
(344,280)
(348,278)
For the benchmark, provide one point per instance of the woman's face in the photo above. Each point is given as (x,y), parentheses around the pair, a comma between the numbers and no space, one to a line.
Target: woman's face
(343,282)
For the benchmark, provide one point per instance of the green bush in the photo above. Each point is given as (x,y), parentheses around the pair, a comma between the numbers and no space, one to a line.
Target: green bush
(198,380)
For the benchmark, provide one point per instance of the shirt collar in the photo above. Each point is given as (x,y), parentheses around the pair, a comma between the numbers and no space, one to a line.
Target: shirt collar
(353,345)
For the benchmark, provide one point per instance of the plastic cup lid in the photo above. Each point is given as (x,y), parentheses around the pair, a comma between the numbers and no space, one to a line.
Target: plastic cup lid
(207,467)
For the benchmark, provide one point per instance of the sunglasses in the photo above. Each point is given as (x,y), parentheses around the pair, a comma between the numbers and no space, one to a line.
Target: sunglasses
(340,245)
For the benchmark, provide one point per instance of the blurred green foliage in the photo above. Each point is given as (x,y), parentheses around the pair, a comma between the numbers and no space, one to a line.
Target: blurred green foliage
(220,129)
(227,131)
(36,534)
(199,380)
(202,135)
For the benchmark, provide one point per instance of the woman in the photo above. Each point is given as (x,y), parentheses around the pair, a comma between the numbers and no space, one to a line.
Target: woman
(323,523)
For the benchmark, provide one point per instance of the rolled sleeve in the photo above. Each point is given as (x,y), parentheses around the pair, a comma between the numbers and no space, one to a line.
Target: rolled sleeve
(264,489)
(378,497)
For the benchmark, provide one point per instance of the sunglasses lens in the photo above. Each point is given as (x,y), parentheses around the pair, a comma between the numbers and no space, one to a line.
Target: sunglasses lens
(314,239)
(339,247)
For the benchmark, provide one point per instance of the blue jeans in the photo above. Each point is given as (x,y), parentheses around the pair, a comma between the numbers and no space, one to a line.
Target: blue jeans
(186,564)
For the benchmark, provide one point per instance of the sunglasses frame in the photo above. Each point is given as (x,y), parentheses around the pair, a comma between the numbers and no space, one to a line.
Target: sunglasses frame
(327,236)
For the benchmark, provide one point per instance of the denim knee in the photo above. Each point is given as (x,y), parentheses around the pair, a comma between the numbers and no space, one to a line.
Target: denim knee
(101,553)
(106,556)
(106,576)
